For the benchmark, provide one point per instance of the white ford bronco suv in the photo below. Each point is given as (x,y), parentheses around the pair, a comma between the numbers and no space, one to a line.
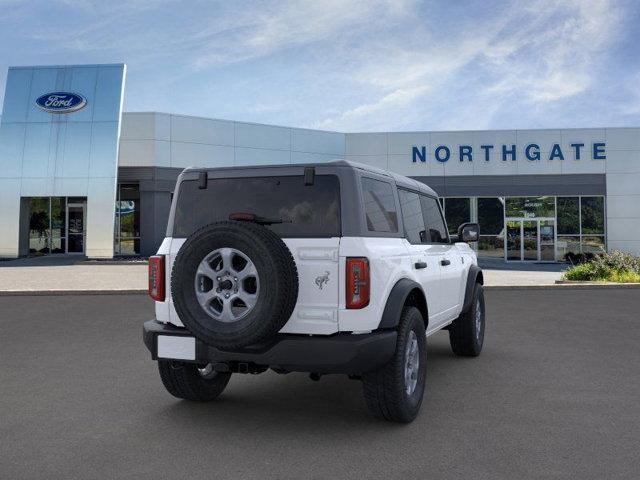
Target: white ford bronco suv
(324,268)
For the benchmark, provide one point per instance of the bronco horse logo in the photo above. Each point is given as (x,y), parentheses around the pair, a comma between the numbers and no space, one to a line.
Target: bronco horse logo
(322,279)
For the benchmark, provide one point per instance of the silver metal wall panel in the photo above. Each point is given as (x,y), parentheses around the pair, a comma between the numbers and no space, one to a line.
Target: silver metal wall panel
(61,153)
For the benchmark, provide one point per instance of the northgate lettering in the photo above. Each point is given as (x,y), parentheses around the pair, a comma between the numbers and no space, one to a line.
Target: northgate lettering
(531,152)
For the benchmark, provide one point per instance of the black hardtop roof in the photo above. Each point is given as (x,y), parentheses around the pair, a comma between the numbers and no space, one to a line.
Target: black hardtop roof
(400,180)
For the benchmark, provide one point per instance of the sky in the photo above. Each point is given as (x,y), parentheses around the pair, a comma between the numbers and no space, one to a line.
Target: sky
(351,66)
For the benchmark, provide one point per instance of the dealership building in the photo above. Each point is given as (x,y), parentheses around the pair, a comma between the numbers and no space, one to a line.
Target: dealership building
(80,176)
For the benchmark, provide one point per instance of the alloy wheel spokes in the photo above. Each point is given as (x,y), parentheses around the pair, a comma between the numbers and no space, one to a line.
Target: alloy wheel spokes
(227,284)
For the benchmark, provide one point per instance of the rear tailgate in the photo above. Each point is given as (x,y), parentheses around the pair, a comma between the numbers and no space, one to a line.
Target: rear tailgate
(306,214)
(316,259)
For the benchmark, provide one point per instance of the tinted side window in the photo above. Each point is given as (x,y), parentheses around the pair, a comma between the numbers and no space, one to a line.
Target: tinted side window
(436,230)
(379,206)
(412,216)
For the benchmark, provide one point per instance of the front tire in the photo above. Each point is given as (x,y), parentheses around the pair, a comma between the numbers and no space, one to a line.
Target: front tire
(190,382)
(466,333)
(395,391)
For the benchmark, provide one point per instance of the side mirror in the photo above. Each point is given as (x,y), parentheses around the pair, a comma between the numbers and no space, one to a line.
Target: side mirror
(469,232)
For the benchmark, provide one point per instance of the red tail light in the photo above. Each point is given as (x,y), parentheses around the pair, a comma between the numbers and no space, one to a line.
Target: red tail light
(156,277)
(358,282)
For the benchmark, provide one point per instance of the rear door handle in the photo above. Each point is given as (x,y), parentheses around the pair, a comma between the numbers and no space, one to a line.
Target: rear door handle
(420,265)
(444,262)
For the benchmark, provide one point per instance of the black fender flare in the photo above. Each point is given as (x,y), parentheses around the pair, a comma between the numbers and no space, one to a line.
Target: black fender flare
(396,301)
(474,276)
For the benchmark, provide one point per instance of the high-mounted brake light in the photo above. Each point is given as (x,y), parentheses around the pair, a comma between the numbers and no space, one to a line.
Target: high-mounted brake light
(156,278)
(358,282)
(242,217)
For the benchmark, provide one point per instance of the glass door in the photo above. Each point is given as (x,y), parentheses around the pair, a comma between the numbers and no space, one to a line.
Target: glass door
(513,239)
(530,240)
(547,240)
(75,227)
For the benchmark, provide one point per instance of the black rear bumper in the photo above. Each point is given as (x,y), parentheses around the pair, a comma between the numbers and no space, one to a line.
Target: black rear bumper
(339,353)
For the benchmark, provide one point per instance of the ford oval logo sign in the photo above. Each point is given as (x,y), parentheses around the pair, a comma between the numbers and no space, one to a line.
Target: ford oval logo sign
(61,102)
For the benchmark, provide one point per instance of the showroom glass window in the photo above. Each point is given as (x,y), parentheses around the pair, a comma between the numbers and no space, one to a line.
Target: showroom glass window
(568,225)
(491,221)
(457,211)
(58,225)
(592,221)
(581,225)
(530,207)
(568,216)
(39,225)
(48,229)
(127,227)
(592,215)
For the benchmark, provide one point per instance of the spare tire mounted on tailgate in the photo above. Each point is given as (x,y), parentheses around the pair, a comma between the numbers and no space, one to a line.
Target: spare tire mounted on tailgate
(234,284)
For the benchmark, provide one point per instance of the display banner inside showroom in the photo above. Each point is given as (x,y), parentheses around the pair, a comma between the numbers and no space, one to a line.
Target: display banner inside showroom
(72,180)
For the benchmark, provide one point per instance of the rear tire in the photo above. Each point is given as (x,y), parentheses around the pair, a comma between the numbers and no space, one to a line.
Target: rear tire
(390,392)
(187,381)
(466,333)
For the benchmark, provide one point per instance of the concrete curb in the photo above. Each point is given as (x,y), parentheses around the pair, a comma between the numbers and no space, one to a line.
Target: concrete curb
(21,293)
(581,282)
(564,286)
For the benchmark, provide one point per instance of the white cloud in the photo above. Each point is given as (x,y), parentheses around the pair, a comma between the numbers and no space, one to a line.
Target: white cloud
(286,24)
(351,64)
(398,98)
(631,104)
(550,57)
(534,55)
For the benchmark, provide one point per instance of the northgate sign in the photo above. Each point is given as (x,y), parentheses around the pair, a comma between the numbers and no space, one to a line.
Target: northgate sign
(531,152)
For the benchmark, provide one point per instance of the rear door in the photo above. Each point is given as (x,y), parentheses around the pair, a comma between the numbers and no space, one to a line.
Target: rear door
(424,260)
(448,262)
(451,272)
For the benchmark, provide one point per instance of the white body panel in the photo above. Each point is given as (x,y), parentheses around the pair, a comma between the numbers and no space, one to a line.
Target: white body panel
(316,311)
(451,286)
(429,278)
(392,259)
(389,261)
(321,263)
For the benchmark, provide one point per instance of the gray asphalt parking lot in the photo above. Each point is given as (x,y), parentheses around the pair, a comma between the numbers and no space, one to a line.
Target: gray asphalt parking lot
(554,395)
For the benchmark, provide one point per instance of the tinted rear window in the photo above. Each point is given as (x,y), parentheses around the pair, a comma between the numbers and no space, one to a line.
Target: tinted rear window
(308,211)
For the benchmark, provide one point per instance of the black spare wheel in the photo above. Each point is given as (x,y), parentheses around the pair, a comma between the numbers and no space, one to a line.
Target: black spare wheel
(234,284)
